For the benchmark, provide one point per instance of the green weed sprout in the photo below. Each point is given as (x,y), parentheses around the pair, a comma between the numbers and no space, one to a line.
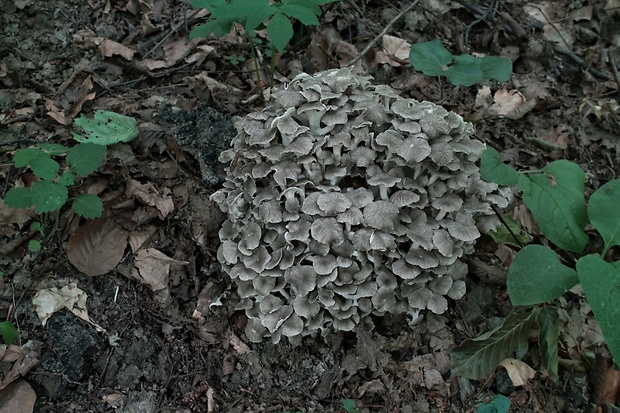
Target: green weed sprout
(8,332)
(252,15)
(499,404)
(50,192)
(555,197)
(432,59)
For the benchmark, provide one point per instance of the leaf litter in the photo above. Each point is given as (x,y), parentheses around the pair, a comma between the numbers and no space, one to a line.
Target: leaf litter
(162,213)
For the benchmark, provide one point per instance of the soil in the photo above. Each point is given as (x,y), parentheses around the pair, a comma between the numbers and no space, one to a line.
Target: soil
(181,347)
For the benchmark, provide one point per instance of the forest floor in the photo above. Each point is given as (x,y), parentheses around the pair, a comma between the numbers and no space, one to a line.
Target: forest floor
(158,332)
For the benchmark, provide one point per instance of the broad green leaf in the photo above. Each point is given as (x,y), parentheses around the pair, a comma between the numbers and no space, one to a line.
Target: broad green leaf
(280,31)
(499,404)
(465,71)
(207,4)
(44,168)
(430,58)
(9,333)
(604,213)
(34,245)
(555,198)
(507,233)
(601,283)
(54,149)
(548,340)
(88,206)
(477,358)
(23,157)
(260,13)
(498,68)
(67,178)
(536,275)
(492,169)
(18,198)
(301,13)
(106,128)
(349,405)
(48,196)
(215,27)
(85,158)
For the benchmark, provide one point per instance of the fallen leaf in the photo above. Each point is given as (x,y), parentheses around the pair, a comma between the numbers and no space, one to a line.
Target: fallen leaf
(52,300)
(152,268)
(23,361)
(394,49)
(505,101)
(97,246)
(519,372)
(109,48)
(149,195)
(17,397)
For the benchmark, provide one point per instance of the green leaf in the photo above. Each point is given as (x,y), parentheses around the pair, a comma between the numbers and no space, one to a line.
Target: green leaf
(601,283)
(18,198)
(23,157)
(506,233)
(349,406)
(280,31)
(465,71)
(53,149)
(106,128)
(301,13)
(492,169)
(88,206)
(498,68)
(556,201)
(548,340)
(34,245)
(85,158)
(207,4)
(499,404)
(477,358)
(430,58)
(44,168)
(48,196)
(260,13)
(9,333)
(67,178)
(604,213)
(536,275)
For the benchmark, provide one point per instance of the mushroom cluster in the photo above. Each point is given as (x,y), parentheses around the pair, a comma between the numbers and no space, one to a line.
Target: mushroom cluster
(344,200)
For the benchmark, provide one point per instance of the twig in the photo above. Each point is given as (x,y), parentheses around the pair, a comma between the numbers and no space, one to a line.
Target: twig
(581,63)
(485,16)
(383,32)
(614,66)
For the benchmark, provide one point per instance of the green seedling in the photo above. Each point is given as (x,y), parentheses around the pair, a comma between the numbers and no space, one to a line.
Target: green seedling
(34,245)
(57,166)
(254,15)
(499,404)
(537,275)
(8,332)
(432,59)
(349,406)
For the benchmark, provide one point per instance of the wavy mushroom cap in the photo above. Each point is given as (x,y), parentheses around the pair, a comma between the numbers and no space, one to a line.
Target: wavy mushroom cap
(347,200)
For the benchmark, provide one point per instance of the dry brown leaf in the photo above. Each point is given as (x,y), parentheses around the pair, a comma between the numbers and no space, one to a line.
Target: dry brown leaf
(394,50)
(109,48)
(48,301)
(138,238)
(519,372)
(17,397)
(152,267)
(23,361)
(505,102)
(97,246)
(150,196)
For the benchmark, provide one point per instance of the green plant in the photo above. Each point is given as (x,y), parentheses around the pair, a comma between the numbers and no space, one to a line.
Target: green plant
(34,245)
(499,404)
(8,332)
(349,406)
(432,59)
(538,275)
(252,15)
(50,192)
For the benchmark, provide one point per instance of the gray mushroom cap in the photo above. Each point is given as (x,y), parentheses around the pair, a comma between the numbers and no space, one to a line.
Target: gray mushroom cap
(347,200)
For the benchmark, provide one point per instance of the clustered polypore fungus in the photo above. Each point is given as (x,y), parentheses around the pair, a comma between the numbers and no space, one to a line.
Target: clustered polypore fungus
(346,200)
